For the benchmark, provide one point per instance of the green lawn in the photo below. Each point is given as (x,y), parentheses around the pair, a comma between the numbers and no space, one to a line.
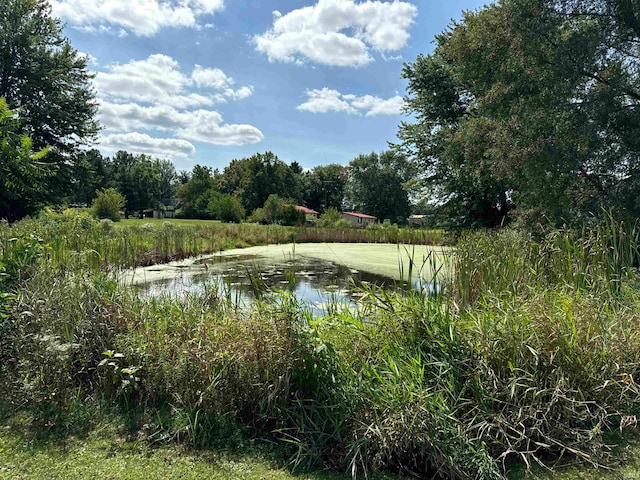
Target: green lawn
(106,456)
(159,221)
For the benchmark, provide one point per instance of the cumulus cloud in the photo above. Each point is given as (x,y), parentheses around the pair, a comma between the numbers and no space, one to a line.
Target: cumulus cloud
(155,95)
(328,100)
(338,32)
(143,18)
(159,80)
(142,143)
(199,125)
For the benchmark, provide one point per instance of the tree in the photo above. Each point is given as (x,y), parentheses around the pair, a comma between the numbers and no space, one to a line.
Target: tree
(108,204)
(22,173)
(280,210)
(46,81)
(167,178)
(197,193)
(378,185)
(142,180)
(253,179)
(325,187)
(89,175)
(226,208)
(529,108)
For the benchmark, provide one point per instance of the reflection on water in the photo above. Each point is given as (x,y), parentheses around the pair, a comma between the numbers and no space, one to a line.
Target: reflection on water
(317,283)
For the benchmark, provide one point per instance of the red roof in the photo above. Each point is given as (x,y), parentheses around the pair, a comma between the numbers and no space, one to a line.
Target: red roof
(359,215)
(306,210)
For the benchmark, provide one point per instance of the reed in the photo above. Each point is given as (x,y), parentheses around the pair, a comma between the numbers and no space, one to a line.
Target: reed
(530,353)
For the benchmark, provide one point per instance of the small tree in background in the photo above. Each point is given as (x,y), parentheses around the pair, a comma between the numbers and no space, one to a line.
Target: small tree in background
(108,204)
(227,208)
(332,219)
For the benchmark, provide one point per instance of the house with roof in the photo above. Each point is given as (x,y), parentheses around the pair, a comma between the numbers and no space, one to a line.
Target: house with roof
(307,211)
(358,219)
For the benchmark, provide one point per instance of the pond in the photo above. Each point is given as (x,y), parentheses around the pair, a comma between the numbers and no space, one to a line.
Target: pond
(320,275)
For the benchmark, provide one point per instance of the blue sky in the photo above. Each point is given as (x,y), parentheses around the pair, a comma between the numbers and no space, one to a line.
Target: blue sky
(207,81)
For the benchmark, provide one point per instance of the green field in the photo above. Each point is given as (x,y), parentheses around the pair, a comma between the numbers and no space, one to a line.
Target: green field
(124,222)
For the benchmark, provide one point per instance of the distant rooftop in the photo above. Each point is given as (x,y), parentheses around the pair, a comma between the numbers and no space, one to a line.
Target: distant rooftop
(359,215)
(306,210)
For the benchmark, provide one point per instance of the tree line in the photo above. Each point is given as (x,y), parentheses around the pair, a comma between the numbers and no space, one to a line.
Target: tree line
(261,186)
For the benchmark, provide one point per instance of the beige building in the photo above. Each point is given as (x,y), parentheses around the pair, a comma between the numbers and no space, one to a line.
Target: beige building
(358,219)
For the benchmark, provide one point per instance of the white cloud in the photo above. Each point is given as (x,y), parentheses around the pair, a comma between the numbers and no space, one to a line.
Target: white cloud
(142,17)
(155,79)
(210,77)
(155,95)
(378,106)
(159,80)
(199,125)
(142,143)
(208,127)
(338,32)
(327,100)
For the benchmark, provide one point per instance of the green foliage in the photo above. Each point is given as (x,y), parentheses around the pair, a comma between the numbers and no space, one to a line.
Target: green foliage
(325,187)
(253,179)
(532,356)
(195,194)
(518,109)
(379,186)
(22,173)
(43,77)
(331,218)
(281,211)
(226,208)
(108,204)
(144,181)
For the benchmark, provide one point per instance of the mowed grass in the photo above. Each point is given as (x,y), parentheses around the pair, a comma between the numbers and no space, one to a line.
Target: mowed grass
(107,456)
(127,222)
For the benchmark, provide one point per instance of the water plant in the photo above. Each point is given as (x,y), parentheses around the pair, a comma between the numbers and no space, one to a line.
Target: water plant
(530,353)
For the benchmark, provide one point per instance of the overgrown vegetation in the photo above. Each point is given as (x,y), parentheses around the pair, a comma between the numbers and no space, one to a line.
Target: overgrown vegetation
(530,354)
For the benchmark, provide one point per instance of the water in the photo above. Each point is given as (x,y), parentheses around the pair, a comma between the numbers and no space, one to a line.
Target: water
(317,283)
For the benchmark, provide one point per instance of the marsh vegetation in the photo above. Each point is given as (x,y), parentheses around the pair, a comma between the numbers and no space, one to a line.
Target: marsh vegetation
(529,355)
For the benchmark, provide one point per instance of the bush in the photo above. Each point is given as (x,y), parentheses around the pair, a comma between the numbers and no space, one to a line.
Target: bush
(332,219)
(227,208)
(108,204)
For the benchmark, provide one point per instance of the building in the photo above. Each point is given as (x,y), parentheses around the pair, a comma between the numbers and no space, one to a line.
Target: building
(358,219)
(307,211)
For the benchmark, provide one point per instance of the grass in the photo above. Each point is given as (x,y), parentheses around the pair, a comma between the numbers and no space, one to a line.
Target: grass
(528,356)
(128,222)
(106,455)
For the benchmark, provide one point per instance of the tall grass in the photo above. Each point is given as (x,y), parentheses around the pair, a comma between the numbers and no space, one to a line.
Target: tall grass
(530,354)
(75,242)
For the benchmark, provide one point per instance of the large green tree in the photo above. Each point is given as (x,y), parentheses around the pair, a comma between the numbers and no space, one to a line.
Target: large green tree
(253,179)
(379,185)
(529,107)
(46,81)
(325,186)
(197,193)
(144,181)
(90,174)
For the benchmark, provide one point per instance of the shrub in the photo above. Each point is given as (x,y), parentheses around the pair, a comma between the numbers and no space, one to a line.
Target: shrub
(332,219)
(107,204)
(227,208)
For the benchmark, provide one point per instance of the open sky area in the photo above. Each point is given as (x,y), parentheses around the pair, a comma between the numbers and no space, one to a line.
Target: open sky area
(207,81)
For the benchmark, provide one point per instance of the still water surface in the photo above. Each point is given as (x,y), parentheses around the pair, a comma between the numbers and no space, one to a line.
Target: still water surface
(242,278)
